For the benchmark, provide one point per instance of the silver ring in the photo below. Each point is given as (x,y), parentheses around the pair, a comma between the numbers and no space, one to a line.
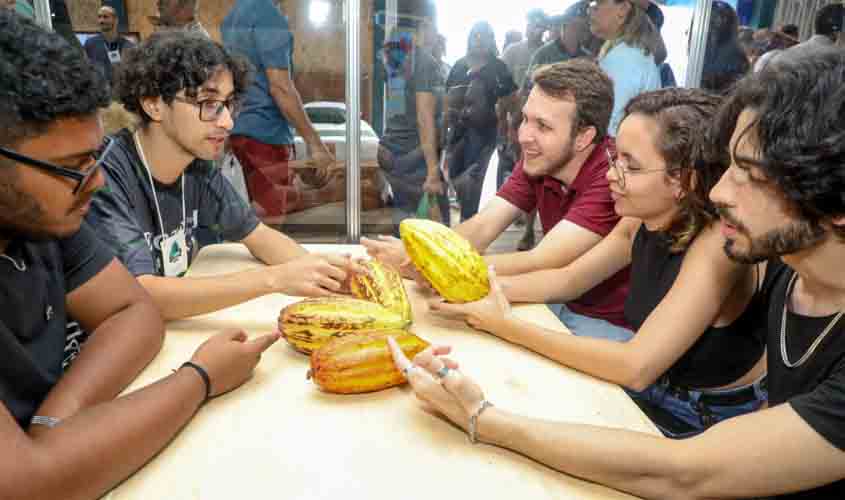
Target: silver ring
(407,370)
(441,373)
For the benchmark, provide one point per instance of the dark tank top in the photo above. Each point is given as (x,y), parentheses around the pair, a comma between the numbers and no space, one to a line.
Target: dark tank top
(722,354)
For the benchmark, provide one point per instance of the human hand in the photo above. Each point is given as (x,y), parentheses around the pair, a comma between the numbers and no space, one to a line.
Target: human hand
(488,314)
(437,381)
(321,159)
(229,358)
(433,185)
(387,249)
(353,267)
(312,275)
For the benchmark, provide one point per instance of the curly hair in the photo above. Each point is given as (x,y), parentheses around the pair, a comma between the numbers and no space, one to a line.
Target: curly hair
(684,116)
(798,131)
(171,61)
(585,82)
(44,79)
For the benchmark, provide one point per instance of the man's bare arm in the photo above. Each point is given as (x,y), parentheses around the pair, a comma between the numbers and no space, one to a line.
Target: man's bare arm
(126,334)
(561,246)
(780,453)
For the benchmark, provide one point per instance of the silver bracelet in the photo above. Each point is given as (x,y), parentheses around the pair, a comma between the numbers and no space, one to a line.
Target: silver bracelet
(42,420)
(472,431)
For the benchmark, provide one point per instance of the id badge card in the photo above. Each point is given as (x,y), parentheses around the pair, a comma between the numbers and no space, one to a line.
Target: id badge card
(174,254)
(114,56)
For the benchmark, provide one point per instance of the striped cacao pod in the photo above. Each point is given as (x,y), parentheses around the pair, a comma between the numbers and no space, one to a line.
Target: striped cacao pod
(361,362)
(310,323)
(446,259)
(382,284)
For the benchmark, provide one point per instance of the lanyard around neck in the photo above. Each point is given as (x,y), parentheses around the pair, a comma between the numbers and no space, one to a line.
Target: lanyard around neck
(153,187)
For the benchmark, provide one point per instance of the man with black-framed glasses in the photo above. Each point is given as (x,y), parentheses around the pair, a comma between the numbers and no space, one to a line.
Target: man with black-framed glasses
(59,427)
(83,177)
(164,199)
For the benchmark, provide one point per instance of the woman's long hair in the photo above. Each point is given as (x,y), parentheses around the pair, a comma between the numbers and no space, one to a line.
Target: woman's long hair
(638,31)
(684,116)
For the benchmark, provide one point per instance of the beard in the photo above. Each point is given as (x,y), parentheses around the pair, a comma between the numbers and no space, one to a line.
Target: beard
(555,166)
(22,217)
(788,239)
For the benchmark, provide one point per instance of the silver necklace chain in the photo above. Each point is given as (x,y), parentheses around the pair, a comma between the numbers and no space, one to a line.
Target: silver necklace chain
(803,359)
(20,266)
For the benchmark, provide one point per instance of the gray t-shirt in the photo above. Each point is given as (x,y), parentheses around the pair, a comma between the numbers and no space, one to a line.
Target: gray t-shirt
(401,133)
(124,214)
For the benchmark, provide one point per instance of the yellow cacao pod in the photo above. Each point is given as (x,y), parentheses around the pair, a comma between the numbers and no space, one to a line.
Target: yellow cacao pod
(446,259)
(310,323)
(361,362)
(383,284)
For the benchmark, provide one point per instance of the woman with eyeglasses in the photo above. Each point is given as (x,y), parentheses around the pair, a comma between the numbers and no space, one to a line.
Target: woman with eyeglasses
(698,354)
(632,51)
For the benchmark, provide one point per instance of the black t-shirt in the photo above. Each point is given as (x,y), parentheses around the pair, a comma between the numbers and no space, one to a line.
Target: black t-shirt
(722,354)
(495,72)
(495,79)
(32,328)
(815,389)
(125,214)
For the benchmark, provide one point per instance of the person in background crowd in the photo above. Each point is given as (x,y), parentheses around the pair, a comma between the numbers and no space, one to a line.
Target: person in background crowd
(574,34)
(828,26)
(409,151)
(106,49)
(745,38)
(262,139)
(179,15)
(511,37)
(22,7)
(474,114)
(697,357)
(517,57)
(563,174)
(438,51)
(667,76)
(724,60)
(781,197)
(163,198)
(62,23)
(59,428)
(631,52)
(791,30)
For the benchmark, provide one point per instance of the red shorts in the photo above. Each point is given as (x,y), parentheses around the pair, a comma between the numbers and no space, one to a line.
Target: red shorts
(268,178)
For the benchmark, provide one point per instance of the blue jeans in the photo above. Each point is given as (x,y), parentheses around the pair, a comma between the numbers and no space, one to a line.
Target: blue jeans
(468,161)
(681,413)
(586,326)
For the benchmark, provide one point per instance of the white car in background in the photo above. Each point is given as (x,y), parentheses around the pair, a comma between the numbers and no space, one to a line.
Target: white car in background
(329,119)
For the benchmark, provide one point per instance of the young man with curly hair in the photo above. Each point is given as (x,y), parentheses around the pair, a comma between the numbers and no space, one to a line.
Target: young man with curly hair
(58,429)
(164,200)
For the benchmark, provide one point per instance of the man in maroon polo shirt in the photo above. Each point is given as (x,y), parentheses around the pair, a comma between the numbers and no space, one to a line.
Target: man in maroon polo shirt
(562,173)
